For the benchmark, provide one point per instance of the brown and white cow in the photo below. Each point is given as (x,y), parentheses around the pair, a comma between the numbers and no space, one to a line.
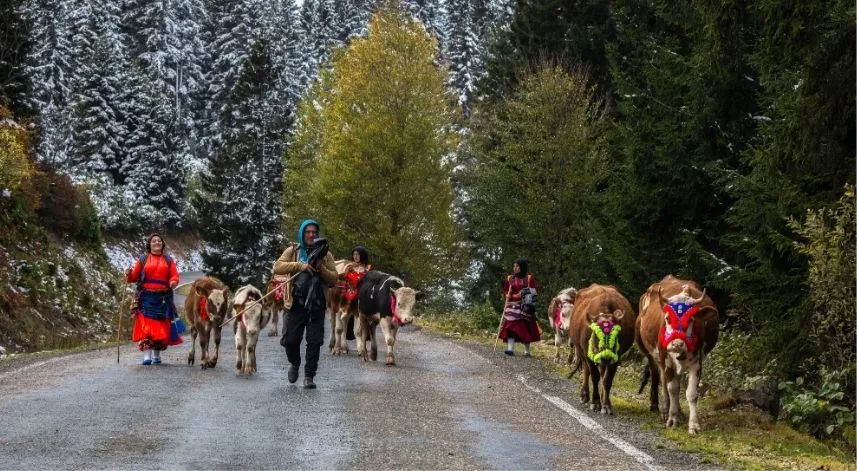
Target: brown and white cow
(204,310)
(383,299)
(342,312)
(559,314)
(678,325)
(252,319)
(275,303)
(602,330)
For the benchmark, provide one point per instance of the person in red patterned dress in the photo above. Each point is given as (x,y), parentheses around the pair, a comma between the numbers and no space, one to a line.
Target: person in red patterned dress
(519,319)
(354,272)
(156,275)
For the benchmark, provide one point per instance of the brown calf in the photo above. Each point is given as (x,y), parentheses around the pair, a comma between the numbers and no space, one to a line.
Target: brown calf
(606,309)
(205,309)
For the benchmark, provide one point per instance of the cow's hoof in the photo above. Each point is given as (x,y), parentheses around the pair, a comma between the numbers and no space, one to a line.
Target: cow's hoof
(373,355)
(238,365)
(595,406)
(672,422)
(607,410)
(653,408)
(190,360)
(390,361)
(272,333)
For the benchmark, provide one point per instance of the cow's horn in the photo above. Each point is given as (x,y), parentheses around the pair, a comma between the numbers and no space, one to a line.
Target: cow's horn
(396,279)
(699,299)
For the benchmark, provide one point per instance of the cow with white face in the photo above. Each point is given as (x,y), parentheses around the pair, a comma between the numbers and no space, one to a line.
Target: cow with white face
(250,319)
(383,299)
(559,314)
(678,325)
(204,310)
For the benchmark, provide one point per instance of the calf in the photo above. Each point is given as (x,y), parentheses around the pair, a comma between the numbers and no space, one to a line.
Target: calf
(342,311)
(559,314)
(382,299)
(678,325)
(247,325)
(602,330)
(204,311)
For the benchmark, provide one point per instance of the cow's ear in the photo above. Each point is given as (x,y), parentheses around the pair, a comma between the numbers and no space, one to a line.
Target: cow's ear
(198,292)
(618,314)
(419,295)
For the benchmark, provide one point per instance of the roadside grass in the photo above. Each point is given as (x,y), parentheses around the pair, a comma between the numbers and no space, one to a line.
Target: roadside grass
(740,437)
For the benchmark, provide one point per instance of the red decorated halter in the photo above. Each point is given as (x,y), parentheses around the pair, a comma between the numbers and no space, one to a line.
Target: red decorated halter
(203,308)
(280,293)
(396,319)
(557,318)
(680,315)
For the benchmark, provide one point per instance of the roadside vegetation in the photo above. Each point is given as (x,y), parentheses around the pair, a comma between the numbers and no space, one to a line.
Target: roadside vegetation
(735,435)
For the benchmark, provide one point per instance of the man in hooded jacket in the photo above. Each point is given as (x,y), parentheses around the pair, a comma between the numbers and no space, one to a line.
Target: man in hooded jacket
(305,300)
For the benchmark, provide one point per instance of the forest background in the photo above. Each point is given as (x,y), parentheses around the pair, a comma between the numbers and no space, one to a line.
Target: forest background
(608,142)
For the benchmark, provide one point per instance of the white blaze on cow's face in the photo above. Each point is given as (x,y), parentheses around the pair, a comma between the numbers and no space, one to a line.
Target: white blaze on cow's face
(565,314)
(217,304)
(406,299)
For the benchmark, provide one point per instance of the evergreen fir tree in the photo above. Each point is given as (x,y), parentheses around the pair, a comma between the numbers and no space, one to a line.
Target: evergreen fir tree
(13,55)
(239,199)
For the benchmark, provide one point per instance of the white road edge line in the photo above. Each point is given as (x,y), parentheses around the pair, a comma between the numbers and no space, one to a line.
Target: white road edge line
(641,457)
(34,365)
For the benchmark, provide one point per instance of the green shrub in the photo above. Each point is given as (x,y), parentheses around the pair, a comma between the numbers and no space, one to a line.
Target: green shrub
(819,410)
(475,320)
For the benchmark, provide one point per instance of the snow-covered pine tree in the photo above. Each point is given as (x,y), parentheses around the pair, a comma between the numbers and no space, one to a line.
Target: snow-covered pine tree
(97,125)
(238,202)
(13,55)
(49,68)
(461,49)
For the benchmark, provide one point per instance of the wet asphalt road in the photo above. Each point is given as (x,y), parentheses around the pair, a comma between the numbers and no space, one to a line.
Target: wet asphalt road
(445,406)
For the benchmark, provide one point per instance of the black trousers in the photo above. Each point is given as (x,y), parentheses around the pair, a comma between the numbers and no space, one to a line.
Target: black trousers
(299,319)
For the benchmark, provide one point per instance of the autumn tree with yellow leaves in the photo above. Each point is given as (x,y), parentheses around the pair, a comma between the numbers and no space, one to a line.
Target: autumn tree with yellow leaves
(371,155)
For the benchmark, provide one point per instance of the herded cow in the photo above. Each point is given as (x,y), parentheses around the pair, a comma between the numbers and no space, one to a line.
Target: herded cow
(678,325)
(383,299)
(559,314)
(204,310)
(602,329)
(275,303)
(247,325)
(341,309)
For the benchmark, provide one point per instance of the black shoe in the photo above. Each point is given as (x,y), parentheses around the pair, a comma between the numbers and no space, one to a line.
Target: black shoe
(293,373)
(511,353)
(308,383)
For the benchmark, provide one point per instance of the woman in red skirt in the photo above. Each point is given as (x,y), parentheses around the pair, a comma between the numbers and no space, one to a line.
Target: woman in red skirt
(519,320)
(156,275)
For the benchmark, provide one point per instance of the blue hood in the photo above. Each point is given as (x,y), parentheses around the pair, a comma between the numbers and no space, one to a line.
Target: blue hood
(302,253)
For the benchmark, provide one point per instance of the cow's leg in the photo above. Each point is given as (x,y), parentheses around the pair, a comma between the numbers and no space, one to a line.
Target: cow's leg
(191,357)
(213,361)
(203,346)
(595,375)
(331,345)
(584,382)
(250,352)
(672,385)
(275,314)
(373,344)
(570,351)
(693,375)
(557,341)
(655,375)
(344,318)
(361,332)
(240,342)
(338,325)
(606,385)
(389,331)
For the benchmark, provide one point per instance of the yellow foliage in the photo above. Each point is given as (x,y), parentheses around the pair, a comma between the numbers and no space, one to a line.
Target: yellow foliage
(16,168)
(370,158)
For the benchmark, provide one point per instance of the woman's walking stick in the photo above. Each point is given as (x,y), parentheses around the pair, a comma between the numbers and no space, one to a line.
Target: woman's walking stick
(119,327)
(502,315)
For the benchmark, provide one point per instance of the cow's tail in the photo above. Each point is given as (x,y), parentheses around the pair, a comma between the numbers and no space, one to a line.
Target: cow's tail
(647,373)
(576,363)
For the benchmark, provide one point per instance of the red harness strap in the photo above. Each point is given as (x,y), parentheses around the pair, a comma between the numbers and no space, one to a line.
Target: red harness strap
(203,309)
(678,328)
(396,319)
